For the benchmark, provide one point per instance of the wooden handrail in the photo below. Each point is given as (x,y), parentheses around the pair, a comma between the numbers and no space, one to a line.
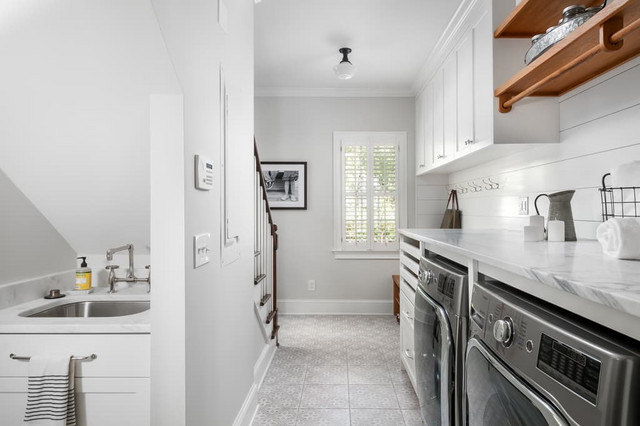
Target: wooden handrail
(262,184)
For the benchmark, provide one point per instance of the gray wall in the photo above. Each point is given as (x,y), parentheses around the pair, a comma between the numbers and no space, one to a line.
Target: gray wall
(223,340)
(301,129)
(30,246)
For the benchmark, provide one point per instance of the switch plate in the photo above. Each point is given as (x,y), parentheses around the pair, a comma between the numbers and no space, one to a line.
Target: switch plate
(201,249)
(524,206)
(311,286)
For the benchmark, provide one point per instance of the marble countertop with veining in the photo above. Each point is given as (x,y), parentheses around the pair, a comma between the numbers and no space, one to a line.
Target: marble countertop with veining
(12,322)
(579,267)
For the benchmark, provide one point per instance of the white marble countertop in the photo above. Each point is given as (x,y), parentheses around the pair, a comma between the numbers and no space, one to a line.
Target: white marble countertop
(578,268)
(12,323)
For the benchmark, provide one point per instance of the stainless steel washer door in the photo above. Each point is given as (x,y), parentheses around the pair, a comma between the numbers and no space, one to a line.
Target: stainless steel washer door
(434,361)
(496,397)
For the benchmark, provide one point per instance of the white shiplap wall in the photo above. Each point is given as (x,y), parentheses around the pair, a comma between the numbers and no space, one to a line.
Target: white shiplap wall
(600,129)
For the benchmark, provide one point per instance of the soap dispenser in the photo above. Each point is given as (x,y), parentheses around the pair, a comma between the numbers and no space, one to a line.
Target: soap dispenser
(83,275)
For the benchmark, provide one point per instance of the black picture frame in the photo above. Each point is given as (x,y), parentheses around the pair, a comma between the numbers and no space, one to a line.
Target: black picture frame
(286,184)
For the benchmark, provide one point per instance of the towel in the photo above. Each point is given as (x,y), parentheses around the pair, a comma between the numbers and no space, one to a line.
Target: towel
(620,237)
(50,394)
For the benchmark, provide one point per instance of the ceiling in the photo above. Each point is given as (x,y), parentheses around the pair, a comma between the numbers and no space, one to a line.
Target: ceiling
(297,42)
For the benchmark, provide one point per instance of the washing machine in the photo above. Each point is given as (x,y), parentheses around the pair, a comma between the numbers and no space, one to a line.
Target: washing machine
(440,336)
(531,364)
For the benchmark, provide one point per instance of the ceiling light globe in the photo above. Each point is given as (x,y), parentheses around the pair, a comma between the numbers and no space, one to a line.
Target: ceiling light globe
(344,70)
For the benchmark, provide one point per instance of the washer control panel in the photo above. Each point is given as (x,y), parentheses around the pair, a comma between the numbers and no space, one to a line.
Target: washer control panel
(574,369)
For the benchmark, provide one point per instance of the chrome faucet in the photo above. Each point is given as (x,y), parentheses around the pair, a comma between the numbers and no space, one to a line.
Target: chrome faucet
(130,278)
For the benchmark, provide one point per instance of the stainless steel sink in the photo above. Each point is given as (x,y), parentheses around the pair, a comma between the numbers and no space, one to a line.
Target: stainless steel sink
(93,309)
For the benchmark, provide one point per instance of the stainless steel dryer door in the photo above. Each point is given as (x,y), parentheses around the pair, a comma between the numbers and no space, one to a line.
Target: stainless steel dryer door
(434,361)
(496,397)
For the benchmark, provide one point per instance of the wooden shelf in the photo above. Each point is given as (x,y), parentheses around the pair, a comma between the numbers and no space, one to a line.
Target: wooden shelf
(533,17)
(607,40)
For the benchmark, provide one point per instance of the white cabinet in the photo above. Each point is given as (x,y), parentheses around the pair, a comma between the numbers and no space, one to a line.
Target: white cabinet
(467,127)
(450,95)
(113,389)
(464,100)
(409,266)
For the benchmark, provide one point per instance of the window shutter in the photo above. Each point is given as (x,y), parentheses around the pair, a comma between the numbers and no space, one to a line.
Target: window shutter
(385,216)
(355,187)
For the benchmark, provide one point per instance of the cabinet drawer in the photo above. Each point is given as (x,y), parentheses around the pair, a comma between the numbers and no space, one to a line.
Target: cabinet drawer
(407,352)
(409,279)
(409,263)
(411,249)
(123,355)
(407,310)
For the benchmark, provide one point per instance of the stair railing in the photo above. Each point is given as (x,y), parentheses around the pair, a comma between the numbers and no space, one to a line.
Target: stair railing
(266,246)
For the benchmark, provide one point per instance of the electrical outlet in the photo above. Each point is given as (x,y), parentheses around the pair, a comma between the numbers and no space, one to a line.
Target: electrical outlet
(311,285)
(524,206)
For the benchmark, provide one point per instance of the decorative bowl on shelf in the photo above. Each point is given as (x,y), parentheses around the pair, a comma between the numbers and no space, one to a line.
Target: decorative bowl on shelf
(572,18)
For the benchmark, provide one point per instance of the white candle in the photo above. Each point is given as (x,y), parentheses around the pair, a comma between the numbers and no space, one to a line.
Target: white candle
(536,220)
(555,230)
(533,233)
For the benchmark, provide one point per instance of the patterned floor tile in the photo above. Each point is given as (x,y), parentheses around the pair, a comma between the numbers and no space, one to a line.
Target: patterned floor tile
(275,416)
(323,417)
(369,375)
(286,374)
(369,417)
(373,396)
(280,395)
(412,418)
(406,396)
(327,375)
(325,396)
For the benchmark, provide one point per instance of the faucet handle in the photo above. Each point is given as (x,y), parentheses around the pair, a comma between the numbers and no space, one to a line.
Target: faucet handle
(111,267)
(147,267)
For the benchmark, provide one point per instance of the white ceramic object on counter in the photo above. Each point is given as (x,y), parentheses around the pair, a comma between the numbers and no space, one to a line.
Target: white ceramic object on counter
(555,231)
(533,233)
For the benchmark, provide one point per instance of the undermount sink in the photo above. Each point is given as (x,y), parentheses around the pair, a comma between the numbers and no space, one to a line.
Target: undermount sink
(92,309)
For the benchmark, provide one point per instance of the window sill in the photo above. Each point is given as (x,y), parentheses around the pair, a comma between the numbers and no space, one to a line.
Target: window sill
(365,255)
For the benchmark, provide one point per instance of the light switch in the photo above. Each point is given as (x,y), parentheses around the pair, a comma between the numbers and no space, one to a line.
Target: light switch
(201,249)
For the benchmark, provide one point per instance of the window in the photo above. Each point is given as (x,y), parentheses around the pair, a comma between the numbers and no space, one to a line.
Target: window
(369,193)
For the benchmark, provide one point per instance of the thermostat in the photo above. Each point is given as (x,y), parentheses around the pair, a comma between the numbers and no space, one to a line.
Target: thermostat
(204,173)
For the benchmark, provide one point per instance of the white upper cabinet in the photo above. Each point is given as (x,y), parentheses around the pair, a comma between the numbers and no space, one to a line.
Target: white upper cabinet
(458,122)
(466,135)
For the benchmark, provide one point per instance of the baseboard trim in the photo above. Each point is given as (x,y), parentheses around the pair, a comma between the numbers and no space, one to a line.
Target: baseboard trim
(250,406)
(335,306)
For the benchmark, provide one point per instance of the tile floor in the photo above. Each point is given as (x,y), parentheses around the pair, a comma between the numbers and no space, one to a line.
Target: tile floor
(337,370)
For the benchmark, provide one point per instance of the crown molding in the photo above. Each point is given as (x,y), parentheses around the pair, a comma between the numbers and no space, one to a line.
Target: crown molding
(295,92)
(457,25)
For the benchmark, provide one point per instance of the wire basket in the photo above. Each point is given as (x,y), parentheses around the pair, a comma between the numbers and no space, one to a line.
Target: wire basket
(619,201)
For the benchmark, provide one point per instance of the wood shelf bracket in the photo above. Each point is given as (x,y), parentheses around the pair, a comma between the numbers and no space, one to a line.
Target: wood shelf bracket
(607,30)
(504,104)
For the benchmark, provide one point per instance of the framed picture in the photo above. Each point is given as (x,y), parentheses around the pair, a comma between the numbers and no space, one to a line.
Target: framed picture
(286,183)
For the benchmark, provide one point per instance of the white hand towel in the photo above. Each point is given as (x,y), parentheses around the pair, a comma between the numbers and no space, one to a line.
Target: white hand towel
(50,393)
(620,237)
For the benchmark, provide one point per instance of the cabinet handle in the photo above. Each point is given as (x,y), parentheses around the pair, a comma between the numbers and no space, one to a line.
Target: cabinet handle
(439,156)
(406,314)
(407,353)
(468,142)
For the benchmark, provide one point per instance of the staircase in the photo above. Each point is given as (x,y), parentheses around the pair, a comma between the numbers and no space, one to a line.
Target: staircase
(265,248)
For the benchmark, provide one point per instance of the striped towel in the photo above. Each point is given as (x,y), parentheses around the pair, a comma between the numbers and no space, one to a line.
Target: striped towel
(50,395)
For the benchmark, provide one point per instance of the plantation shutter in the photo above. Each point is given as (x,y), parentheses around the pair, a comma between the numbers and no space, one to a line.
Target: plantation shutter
(369,193)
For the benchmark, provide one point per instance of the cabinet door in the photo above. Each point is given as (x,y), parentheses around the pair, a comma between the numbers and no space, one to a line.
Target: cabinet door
(465,93)
(483,103)
(420,140)
(99,401)
(450,99)
(427,112)
(438,118)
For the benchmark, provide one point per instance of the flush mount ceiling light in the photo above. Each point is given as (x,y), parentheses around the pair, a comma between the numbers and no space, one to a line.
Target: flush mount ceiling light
(345,69)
